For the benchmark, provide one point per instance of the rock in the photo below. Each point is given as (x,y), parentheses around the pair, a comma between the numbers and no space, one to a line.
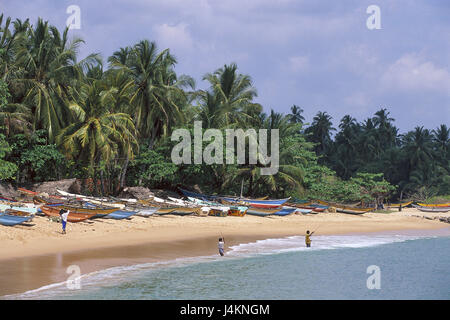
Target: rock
(50,187)
(136,193)
(8,191)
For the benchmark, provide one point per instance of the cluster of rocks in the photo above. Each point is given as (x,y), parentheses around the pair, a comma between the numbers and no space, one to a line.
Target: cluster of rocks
(440,218)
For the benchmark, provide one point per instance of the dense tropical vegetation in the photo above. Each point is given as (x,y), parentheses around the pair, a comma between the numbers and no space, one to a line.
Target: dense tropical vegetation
(64,117)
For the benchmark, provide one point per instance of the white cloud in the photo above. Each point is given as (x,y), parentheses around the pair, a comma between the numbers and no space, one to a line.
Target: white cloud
(412,73)
(174,36)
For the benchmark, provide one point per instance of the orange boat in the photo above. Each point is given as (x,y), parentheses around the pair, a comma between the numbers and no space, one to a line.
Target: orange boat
(72,217)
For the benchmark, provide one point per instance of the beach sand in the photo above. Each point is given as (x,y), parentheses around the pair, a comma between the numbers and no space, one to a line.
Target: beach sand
(38,254)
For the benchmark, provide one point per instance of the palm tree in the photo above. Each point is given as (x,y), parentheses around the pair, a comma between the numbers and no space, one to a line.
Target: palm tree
(232,92)
(418,148)
(296,115)
(50,68)
(159,96)
(98,133)
(320,133)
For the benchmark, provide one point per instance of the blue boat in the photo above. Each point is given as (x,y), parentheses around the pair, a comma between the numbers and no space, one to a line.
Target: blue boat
(257,203)
(285,211)
(8,220)
(120,214)
(198,195)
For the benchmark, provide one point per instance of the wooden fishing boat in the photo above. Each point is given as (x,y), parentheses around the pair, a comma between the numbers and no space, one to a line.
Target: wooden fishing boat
(144,211)
(432,209)
(353,210)
(307,207)
(11,220)
(285,211)
(261,212)
(437,205)
(345,208)
(91,210)
(264,204)
(119,214)
(164,211)
(397,205)
(304,211)
(218,211)
(183,211)
(237,211)
(72,217)
(17,213)
(4,207)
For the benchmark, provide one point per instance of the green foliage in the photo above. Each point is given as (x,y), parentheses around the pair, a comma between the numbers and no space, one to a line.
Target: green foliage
(7,169)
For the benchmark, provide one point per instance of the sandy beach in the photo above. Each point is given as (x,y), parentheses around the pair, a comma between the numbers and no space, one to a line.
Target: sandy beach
(38,254)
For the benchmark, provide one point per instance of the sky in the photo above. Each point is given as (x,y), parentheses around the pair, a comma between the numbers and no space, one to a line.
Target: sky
(319,55)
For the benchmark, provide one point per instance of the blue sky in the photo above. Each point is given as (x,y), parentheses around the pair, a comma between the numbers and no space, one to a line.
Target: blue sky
(319,55)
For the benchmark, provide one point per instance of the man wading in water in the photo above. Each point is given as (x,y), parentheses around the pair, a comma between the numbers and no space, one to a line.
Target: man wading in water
(221,246)
(308,239)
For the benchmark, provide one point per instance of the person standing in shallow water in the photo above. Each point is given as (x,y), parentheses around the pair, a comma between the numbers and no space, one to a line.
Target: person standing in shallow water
(308,238)
(221,246)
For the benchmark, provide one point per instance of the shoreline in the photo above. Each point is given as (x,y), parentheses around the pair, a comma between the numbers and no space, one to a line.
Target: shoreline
(44,257)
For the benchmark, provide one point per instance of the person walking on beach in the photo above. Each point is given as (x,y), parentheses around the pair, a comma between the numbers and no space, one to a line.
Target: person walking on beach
(308,238)
(64,214)
(221,246)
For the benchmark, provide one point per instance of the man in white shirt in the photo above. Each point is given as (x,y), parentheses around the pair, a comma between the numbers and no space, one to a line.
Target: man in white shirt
(64,214)
(221,246)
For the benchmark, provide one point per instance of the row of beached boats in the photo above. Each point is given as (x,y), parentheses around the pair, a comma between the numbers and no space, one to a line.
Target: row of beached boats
(82,207)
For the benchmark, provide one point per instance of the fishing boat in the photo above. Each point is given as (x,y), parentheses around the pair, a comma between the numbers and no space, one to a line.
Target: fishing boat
(144,212)
(264,204)
(17,213)
(72,217)
(397,205)
(164,211)
(432,209)
(219,211)
(304,211)
(119,215)
(261,212)
(285,211)
(438,205)
(183,211)
(90,209)
(196,195)
(4,207)
(237,211)
(315,209)
(11,220)
(349,210)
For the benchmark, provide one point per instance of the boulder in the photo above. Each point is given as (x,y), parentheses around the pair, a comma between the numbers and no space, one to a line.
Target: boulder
(50,187)
(140,193)
(8,191)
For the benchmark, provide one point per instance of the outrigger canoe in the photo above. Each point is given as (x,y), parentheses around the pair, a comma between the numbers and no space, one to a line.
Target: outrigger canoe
(438,205)
(261,212)
(264,204)
(432,209)
(72,217)
(397,205)
(285,211)
(353,210)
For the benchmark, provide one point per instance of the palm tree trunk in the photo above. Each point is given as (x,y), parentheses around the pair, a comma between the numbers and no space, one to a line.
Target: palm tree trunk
(124,173)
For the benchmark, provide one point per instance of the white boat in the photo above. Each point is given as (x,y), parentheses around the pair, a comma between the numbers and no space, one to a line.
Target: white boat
(147,212)
(433,209)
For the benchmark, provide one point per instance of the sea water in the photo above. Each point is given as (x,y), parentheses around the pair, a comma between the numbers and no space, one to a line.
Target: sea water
(376,266)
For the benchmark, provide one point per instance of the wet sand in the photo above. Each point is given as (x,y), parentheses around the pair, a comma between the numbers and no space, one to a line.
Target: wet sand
(38,255)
